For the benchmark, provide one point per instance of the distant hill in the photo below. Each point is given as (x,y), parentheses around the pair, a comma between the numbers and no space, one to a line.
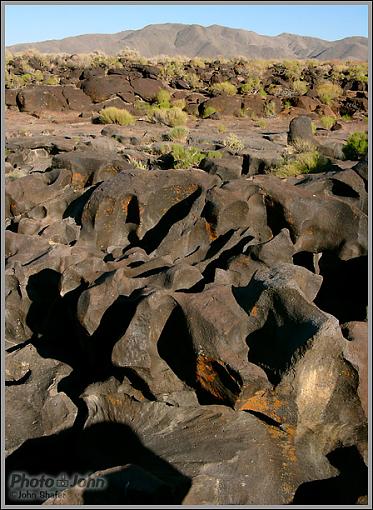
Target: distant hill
(212,41)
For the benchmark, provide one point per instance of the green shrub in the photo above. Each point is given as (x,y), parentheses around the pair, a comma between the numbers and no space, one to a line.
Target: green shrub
(223,88)
(214,154)
(303,163)
(52,80)
(292,69)
(251,86)
(178,134)
(346,117)
(207,112)
(299,87)
(186,157)
(179,103)
(358,72)
(262,92)
(170,117)
(193,80)
(356,146)
(327,121)
(328,92)
(38,75)
(112,115)
(233,143)
(162,98)
(137,163)
(270,109)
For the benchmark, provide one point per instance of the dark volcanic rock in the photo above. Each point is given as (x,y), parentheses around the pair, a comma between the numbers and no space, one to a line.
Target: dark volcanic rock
(225,105)
(41,97)
(100,88)
(187,336)
(300,128)
(146,88)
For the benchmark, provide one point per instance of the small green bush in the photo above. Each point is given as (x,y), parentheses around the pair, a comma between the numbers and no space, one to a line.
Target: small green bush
(52,80)
(233,143)
(178,134)
(223,88)
(356,146)
(327,121)
(328,92)
(186,157)
(112,115)
(299,87)
(251,86)
(162,98)
(270,109)
(207,112)
(303,163)
(170,117)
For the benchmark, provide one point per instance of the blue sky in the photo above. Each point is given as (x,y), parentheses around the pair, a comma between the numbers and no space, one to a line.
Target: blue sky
(31,23)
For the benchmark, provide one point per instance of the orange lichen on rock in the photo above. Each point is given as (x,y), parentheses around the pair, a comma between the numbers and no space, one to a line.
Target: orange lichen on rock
(78,180)
(210,231)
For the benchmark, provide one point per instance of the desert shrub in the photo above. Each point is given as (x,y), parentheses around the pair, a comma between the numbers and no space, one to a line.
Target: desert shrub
(193,80)
(346,117)
(327,121)
(356,146)
(270,109)
(292,69)
(38,75)
(169,116)
(313,127)
(233,143)
(302,163)
(221,128)
(186,157)
(112,115)
(171,69)
(179,103)
(52,80)
(224,87)
(300,146)
(214,154)
(162,98)
(178,134)
(26,78)
(287,104)
(251,86)
(299,87)
(137,163)
(262,92)
(198,62)
(358,72)
(208,111)
(328,92)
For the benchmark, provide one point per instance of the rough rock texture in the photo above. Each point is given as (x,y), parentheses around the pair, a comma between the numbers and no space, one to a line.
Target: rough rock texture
(186,336)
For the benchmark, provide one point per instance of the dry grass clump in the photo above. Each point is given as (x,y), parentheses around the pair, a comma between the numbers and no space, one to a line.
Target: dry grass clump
(170,117)
(224,87)
(112,115)
(327,121)
(302,163)
(327,92)
(178,134)
(233,143)
(299,87)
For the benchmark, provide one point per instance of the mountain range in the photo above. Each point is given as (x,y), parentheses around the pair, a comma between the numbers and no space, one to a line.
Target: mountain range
(212,41)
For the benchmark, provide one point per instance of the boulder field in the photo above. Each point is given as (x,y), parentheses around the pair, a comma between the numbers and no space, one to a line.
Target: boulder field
(188,335)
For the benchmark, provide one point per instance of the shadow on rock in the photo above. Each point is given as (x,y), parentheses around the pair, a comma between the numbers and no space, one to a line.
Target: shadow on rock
(343,489)
(99,447)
